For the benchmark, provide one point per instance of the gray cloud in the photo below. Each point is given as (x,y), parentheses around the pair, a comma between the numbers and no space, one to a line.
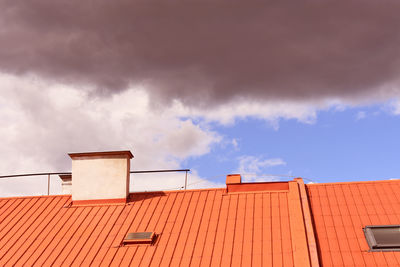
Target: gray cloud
(208,51)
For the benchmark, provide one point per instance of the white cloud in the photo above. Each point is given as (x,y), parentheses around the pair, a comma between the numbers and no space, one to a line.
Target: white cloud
(361,115)
(394,107)
(250,167)
(235,143)
(42,122)
(271,111)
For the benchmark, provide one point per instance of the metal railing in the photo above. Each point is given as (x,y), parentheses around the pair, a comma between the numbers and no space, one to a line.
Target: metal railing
(177,170)
(48,174)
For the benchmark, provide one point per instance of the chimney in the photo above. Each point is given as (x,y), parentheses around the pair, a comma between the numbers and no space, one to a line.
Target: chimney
(233,179)
(100,177)
(66,183)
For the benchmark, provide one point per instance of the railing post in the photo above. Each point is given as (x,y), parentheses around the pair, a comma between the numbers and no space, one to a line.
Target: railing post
(185,179)
(48,184)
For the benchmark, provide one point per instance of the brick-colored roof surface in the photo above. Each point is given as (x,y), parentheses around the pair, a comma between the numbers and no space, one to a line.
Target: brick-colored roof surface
(194,227)
(341,210)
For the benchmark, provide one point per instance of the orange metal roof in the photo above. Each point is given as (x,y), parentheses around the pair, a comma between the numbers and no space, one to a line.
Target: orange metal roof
(341,210)
(206,227)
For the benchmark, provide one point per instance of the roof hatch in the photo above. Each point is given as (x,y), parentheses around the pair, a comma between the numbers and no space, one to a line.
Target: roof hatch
(139,238)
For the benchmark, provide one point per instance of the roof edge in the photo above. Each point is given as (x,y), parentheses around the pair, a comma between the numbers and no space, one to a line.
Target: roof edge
(309,225)
(300,246)
(356,182)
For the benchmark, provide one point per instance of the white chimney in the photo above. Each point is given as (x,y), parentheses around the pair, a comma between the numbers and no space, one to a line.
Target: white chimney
(100,177)
(66,183)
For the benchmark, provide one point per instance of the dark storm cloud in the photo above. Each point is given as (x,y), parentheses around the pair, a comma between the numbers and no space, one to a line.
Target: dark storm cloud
(207,51)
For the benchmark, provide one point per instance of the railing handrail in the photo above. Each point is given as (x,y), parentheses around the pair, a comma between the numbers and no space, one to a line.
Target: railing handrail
(150,171)
(62,173)
(34,174)
(66,173)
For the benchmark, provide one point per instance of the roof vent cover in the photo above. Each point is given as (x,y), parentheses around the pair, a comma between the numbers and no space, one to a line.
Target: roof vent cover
(139,238)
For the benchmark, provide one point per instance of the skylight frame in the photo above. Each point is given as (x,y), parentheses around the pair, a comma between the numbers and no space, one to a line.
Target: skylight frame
(373,244)
(130,238)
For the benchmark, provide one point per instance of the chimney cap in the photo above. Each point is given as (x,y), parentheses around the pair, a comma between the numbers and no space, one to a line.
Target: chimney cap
(103,154)
(65,177)
(233,179)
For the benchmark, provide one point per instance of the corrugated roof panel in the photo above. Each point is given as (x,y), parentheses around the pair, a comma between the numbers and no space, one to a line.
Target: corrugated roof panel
(41,245)
(30,235)
(230,229)
(341,210)
(63,241)
(204,243)
(185,231)
(95,237)
(100,246)
(83,235)
(249,232)
(193,227)
(200,214)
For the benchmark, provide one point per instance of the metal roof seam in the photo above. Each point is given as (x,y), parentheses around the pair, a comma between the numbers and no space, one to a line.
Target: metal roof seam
(358,210)
(185,230)
(235,229)
(83,239)
(4,208)
(281,227)
(347,208)
(252,234)
(109,256)
(3,202)
(204,227)
(341,211)
(163,199)
(270,225)
(63,231)
(180,232)
(386,209)
(350,194)
(379,257)
(34,257)
(9,216)
(394,194)
(221,234)
(238,232)
(130,254)
(97,245)
(197,232)
(91,241)
(158,248)
(7,229)
(164,237)
(68,239)
(219,203)
(30,235)
(84,229)
(10,234)
(332,201)
(160,224)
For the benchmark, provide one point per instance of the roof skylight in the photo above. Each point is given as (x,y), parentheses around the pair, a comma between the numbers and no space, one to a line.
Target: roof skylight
(383,237)
(139,238)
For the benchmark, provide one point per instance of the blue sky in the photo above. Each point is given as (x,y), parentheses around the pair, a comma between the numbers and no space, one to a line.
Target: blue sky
(342,145)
